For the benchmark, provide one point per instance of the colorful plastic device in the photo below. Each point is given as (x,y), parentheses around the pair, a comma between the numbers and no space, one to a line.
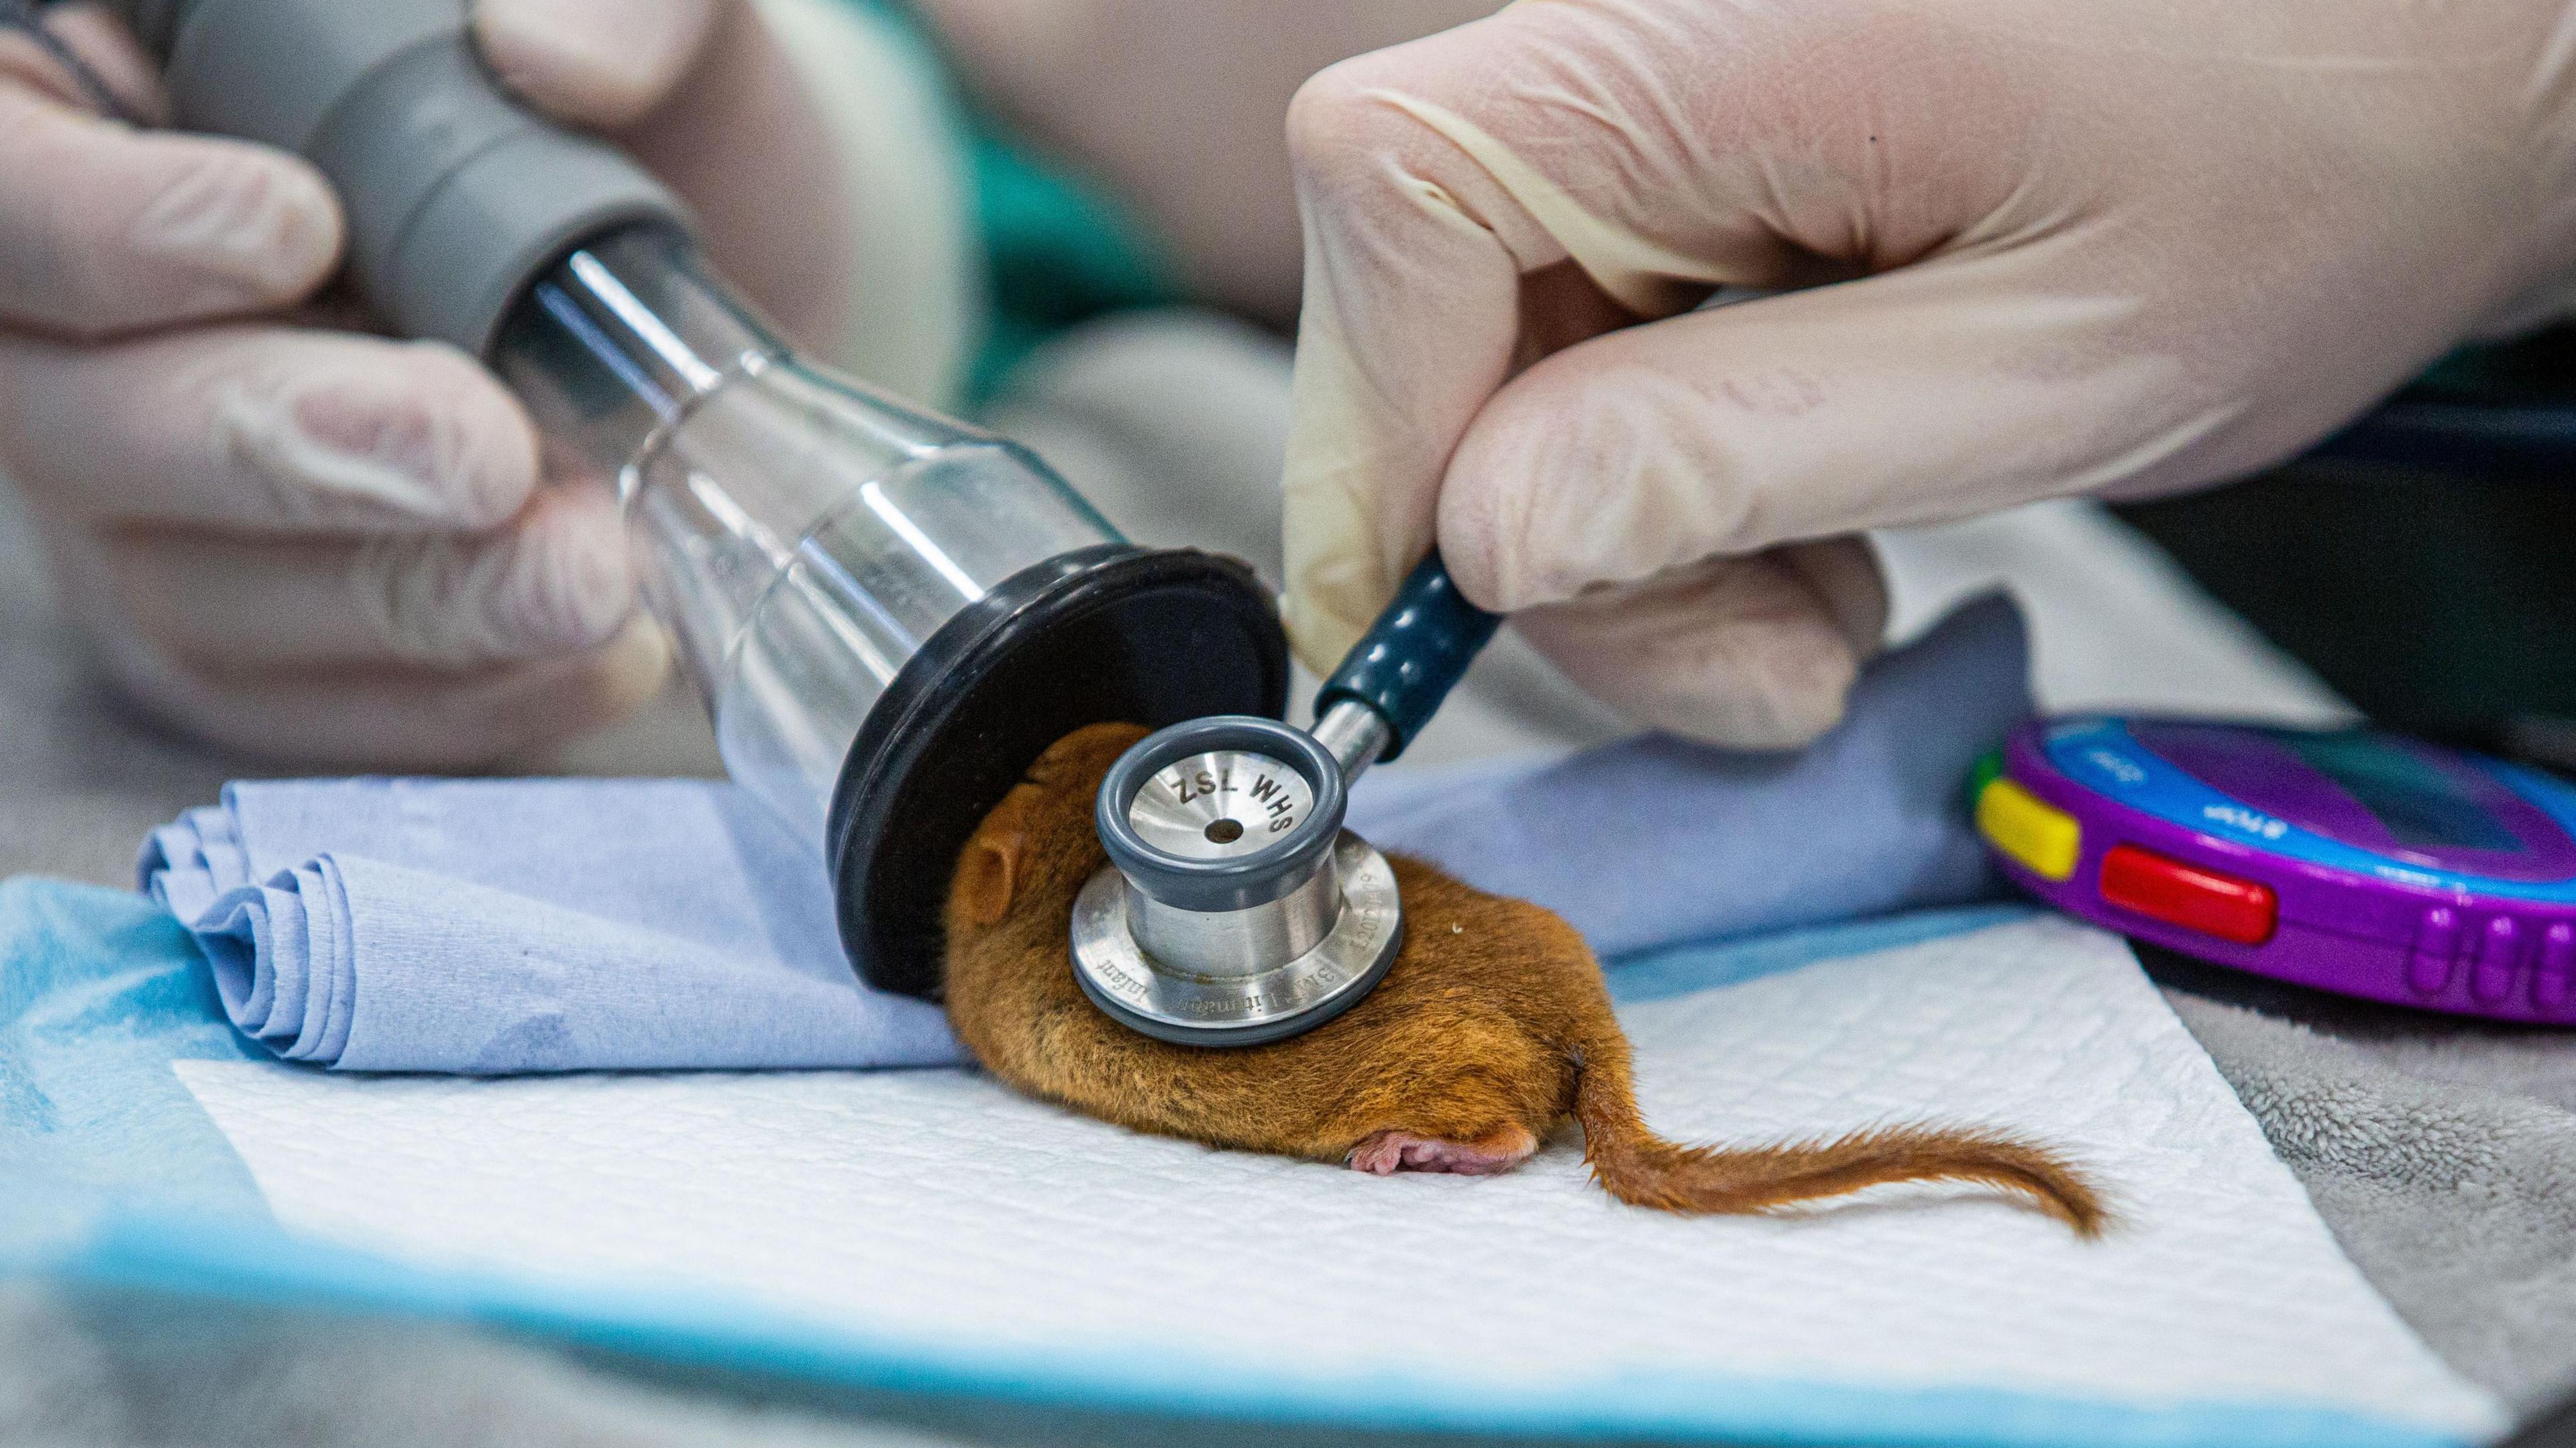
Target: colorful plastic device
(2349,860)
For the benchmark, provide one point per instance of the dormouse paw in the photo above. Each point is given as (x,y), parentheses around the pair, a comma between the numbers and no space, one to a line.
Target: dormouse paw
(1385,1153)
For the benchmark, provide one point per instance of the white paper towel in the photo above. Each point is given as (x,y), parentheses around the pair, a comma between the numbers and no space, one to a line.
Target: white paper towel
(937,1207)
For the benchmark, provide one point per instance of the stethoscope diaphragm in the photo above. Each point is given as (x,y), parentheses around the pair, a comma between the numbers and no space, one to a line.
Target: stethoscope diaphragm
(1234,909)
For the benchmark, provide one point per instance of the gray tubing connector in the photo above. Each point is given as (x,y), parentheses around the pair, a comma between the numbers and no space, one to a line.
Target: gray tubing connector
(458,197)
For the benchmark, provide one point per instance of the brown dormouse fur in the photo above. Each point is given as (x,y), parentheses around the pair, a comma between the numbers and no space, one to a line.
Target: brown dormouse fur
(1493,1026)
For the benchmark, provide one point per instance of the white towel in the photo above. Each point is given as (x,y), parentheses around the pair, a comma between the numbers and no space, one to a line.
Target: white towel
(935,1215)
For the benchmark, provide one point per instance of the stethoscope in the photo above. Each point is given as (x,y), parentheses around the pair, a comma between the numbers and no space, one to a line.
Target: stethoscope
(1235,907)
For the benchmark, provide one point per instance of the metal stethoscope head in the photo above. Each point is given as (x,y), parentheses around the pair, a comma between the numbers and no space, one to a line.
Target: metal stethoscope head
(1235,909)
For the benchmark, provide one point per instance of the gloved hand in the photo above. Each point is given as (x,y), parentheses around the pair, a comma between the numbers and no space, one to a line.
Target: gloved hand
(298,539)
(2119,247)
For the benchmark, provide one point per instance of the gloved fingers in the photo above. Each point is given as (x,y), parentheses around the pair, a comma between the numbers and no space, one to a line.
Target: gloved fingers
(1756,652)
(376,715)
(106,230)
(598,63)
(556,581)
(414,720)
(104,45)
(1441,256)
(1400,339)
(1822,412)
(390,717)
(266,430)
(1849,580)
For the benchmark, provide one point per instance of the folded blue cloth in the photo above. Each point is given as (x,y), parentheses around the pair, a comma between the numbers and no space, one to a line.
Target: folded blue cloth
(1654,840)
(493,926)
(553,925)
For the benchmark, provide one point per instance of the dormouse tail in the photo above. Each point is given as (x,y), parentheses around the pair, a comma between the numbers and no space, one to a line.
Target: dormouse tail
(1641,1168)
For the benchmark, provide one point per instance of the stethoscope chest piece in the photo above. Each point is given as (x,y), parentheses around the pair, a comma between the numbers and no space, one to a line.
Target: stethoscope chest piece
(1234,909)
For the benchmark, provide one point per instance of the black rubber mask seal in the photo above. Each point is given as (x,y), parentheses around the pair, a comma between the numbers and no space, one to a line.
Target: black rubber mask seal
(1113,633)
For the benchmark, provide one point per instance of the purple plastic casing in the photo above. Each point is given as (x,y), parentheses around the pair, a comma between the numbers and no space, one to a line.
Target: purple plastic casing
(2470,931)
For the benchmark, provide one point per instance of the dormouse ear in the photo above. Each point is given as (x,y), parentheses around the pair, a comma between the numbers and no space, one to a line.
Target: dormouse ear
(989,872)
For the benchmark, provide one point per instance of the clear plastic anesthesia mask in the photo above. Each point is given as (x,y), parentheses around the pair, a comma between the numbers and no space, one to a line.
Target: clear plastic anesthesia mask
(888,613)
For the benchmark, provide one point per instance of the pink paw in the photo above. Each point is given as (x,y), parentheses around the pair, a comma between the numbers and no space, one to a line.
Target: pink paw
(1389,1152)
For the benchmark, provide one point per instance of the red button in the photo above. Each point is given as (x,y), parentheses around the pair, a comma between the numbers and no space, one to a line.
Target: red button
(2188,896)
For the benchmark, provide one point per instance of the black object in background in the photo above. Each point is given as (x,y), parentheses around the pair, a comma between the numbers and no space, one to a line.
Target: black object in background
(2423,562)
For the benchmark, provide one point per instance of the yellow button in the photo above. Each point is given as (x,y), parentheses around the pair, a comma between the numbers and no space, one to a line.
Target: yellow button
(2043,838)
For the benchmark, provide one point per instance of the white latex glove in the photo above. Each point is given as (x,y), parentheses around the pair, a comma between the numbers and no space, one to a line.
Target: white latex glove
(302,540)
(2131,245)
